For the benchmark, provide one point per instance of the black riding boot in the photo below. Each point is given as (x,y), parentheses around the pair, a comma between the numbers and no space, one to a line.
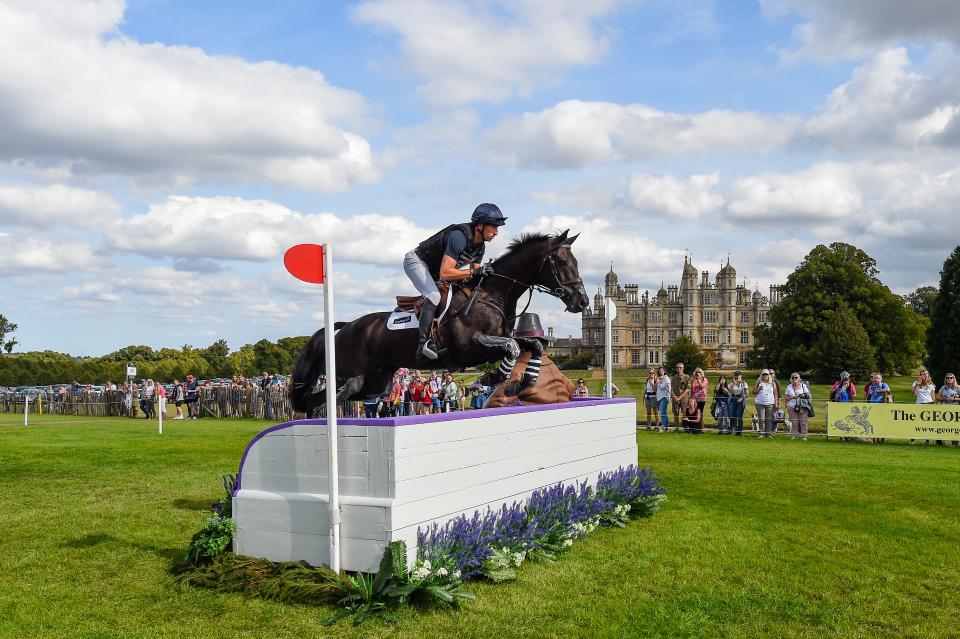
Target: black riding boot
(427,314)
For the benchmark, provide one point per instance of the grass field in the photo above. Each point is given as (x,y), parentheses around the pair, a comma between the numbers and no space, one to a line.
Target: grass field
(758,538)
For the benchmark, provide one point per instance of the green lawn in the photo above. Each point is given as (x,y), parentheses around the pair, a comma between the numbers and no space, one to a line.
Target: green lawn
(758,538)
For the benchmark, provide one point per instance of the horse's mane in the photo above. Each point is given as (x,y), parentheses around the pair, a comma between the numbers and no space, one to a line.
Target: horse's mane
(524,240)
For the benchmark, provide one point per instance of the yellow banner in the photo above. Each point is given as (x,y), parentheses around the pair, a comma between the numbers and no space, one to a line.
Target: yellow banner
(895,421)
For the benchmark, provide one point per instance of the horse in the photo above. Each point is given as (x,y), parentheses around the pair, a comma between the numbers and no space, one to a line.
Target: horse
(475,329)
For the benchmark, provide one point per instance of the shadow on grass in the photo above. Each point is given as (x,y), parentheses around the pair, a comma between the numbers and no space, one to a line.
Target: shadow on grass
(192,504)
(173,555)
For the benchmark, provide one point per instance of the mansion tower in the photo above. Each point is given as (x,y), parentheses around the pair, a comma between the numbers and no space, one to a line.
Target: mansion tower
(720,316)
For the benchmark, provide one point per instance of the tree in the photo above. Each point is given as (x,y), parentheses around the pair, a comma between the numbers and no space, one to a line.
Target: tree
(685,351)
(943,339)
(216,355)
(831,277)
(922,300)
(7,327)
(843,344)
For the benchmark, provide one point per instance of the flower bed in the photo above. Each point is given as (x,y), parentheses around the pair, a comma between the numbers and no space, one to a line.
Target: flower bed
(489,546)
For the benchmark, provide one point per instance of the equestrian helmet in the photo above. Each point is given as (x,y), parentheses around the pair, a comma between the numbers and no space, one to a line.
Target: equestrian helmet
(488,214)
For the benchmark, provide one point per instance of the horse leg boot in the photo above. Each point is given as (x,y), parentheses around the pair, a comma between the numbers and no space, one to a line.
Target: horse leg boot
(351,387)
(427,313)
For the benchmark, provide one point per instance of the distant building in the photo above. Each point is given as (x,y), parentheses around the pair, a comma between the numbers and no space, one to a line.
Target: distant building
(720,316)
(566,346)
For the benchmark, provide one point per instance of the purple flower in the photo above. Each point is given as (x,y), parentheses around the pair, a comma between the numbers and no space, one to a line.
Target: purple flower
(547,517)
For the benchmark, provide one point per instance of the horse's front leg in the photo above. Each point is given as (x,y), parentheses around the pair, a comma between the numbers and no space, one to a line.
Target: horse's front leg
(507,346)
(350,388)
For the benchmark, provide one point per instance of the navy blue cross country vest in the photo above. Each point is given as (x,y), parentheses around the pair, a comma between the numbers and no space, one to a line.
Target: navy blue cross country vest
(431,249)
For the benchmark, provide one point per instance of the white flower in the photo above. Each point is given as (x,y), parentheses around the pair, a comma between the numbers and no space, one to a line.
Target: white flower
(626,508)
(426,564)
(421,573)
(456,574)
(567,543)
(518,558)
(441,572)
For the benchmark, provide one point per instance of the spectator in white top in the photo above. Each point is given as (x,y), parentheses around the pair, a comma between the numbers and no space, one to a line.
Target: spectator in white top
(797,390)
(924,390)
(765,394)
(603,390)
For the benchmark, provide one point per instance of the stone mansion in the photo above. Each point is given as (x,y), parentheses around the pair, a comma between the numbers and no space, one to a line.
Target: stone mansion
(720,316)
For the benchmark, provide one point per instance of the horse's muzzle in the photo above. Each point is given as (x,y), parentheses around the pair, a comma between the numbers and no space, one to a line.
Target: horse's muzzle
(577,301)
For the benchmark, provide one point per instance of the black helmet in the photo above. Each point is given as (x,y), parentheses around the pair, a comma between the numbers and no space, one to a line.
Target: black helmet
(488,214)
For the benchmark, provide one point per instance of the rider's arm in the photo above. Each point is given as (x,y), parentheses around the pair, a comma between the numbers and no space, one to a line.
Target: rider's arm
(450,273)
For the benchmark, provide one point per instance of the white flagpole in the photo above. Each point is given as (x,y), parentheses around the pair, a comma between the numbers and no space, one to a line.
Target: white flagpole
(333,472)
(610,313)
(160,407)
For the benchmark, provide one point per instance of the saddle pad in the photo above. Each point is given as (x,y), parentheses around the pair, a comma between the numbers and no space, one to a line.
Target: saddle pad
(400,320)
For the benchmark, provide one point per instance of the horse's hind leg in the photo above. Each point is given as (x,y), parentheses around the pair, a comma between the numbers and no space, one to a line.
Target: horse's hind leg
(506,345)
(350,388)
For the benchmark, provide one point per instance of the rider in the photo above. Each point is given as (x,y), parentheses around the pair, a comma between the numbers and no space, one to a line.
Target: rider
(452,254)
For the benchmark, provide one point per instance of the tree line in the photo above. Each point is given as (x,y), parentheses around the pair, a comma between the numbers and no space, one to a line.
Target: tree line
(216,360)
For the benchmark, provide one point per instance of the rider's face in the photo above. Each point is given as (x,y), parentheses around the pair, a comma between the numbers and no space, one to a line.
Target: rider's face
(489,232)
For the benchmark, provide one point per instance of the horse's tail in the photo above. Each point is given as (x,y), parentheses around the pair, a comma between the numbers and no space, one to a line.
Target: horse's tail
(307,369)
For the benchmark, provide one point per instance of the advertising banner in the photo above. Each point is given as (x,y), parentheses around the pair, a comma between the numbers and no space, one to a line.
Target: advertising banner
(893,421)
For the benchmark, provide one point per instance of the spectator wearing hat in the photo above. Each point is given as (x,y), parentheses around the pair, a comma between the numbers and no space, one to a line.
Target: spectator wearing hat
(843,390)
(532,378)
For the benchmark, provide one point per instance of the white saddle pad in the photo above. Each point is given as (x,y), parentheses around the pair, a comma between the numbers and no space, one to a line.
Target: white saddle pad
(400,320)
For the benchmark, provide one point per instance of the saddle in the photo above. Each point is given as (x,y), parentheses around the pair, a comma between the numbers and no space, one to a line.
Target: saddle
(446,309)
(414,303)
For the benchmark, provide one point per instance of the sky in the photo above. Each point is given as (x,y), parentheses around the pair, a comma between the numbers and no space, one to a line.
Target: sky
(157,157)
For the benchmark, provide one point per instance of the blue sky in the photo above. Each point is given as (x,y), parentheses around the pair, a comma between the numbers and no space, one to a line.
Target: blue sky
(156,157)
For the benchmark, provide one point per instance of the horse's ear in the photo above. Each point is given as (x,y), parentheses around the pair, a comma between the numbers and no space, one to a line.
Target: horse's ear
(571,240)
(562,237)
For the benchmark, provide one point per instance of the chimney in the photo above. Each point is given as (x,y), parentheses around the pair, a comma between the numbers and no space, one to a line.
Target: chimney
(549,331)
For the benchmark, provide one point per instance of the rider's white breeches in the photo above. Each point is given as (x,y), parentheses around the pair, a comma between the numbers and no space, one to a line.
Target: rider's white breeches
(419,274)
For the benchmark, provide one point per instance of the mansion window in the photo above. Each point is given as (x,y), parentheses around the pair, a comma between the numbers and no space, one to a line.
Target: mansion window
(743,358)
(709,317)
(635,358)
(710,299)
(672,337)
(616,336)
(616,357)
(655,316)
(710,337)
(690,317)
(653,337)
(635,337)
(762,316)
(654,357)
(744,317)
(636,318)
(672,317)
(729,337)
(744,337)
(729,317)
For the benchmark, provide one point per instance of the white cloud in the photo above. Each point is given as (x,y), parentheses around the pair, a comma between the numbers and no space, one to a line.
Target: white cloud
(603,241)
(233,228)
(822,192)
(575,133)
(667,195)
(55,204)
(469,50)
(852,28)
(22,255)
(885,103)
(77,91)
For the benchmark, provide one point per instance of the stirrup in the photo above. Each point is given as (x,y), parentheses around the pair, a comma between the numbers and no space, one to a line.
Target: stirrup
(426,352)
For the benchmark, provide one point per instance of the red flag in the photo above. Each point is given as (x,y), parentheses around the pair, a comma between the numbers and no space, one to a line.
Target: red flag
(305,262)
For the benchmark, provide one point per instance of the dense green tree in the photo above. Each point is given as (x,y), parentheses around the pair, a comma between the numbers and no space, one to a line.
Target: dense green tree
(687,352)
(843,344)
(831,277)
(243,361)
(943,336)
(216,356)
(271,358)
(922,300)
(7,327)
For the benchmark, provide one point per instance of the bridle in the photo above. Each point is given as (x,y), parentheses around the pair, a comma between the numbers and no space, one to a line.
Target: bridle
(559,291)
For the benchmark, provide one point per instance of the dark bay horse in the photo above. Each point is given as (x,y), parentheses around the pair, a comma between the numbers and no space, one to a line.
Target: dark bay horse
(469,334)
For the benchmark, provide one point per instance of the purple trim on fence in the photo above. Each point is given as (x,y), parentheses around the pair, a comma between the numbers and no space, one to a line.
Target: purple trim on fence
(409,420)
